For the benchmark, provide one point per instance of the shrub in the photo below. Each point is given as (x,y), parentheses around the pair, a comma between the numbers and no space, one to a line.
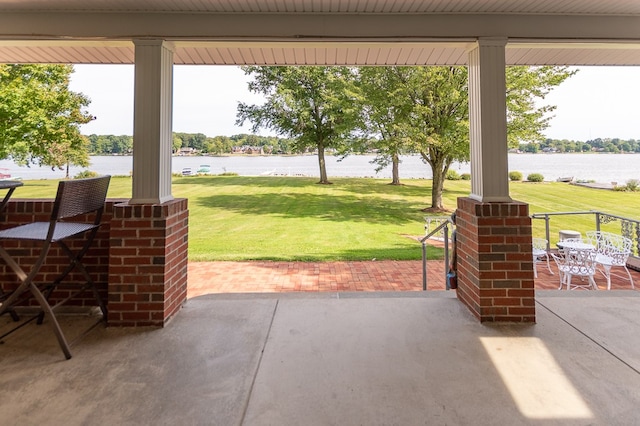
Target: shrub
(86,174)
(535,177)
(465,176)
(452,175)
(515,175)
(633,185)
(619,188)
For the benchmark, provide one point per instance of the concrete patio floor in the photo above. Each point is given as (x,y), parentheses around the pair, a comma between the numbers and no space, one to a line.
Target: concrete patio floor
(405,358)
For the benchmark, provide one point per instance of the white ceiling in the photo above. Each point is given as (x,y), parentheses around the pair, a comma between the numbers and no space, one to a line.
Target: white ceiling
(564,7)
(326,32)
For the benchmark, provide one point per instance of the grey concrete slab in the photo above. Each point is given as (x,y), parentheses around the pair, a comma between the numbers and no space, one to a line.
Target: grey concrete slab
(197,370)
(611,319)
(331,359)
(427,361)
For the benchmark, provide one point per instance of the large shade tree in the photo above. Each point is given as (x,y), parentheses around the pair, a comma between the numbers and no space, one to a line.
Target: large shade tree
(427,112)
(312,105)
(385,114)
(40,117)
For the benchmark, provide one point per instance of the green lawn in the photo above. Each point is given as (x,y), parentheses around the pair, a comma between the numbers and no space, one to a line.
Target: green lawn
(292,218)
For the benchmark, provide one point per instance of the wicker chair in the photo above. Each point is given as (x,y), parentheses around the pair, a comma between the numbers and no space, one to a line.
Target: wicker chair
(74,198)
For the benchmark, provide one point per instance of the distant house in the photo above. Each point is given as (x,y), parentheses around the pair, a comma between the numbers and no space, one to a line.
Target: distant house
(247,149)
(186,151)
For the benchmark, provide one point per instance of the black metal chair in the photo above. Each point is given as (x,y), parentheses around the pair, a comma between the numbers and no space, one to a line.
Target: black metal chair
(74,198)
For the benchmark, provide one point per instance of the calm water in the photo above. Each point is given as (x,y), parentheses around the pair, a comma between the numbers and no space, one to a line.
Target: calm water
(599,167)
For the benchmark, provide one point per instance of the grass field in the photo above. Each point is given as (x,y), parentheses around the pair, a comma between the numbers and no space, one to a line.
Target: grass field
(293,218)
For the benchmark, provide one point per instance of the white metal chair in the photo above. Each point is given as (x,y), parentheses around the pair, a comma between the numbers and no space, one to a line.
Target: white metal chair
(540,253)
(611,250)
(579,263)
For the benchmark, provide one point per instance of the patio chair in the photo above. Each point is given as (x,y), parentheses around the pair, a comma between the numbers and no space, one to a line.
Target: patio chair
(540,253)
(579,263)
(74,198)
(611,250)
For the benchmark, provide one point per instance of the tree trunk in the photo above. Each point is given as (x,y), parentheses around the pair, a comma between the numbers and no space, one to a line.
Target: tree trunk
(437,187)
(67,176)
(323,166)
(395,169)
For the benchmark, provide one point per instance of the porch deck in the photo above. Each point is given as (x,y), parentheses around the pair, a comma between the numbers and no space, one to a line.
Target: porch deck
(337,358)
(347,358)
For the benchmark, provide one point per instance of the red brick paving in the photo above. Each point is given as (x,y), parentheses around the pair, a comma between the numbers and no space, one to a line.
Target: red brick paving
(386,275)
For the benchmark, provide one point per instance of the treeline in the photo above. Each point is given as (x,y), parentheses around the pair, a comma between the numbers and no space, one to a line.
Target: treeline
(246,143)
(197,143)
(614,145)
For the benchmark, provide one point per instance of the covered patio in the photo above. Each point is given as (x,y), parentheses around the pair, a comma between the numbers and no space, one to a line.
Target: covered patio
(349,359)
(145,250)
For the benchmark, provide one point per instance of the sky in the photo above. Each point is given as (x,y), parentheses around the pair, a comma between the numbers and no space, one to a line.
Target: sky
(597,102)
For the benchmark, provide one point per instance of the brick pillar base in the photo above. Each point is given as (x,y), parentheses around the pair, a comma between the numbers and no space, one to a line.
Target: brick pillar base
(147,263)
(495,263)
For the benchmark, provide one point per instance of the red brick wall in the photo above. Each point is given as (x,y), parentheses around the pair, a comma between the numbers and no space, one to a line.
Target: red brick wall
(138,260)
(20,211)
(495,263)
(148,263)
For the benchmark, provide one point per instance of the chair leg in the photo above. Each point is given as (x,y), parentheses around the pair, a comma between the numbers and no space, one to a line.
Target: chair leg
(549,265)
(54,322)
(606,271)
(76,263)
(630,277)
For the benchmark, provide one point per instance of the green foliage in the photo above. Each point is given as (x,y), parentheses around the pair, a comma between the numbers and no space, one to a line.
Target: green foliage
(535,177)
(40,116)
(613,145)
(633,185)
(465,176)
(526,86)
(385,113)
(312,105)
(515,175)
(86,174)
(425,110)
(110,144)
(452,175)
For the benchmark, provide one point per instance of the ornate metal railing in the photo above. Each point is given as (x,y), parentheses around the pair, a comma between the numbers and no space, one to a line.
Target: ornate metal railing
(629,228)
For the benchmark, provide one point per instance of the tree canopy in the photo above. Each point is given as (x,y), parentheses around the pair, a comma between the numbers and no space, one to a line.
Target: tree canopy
(427,112)
(312,105)
(40,117)
(392,110)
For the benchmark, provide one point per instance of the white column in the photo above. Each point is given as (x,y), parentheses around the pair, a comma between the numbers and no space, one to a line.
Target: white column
(152,122)
(488,121)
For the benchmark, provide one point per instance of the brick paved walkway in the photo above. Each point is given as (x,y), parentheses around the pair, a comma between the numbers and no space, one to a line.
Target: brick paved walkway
(272,277)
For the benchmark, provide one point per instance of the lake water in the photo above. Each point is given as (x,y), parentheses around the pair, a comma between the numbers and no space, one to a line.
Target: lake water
(603,168)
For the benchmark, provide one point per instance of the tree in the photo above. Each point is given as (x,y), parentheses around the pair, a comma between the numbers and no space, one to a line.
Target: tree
(437,125)
(314,105)
(385,114)
(40,117)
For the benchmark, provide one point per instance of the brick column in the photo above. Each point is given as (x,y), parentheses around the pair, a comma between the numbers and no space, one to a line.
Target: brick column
(495,263)
(147,263)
